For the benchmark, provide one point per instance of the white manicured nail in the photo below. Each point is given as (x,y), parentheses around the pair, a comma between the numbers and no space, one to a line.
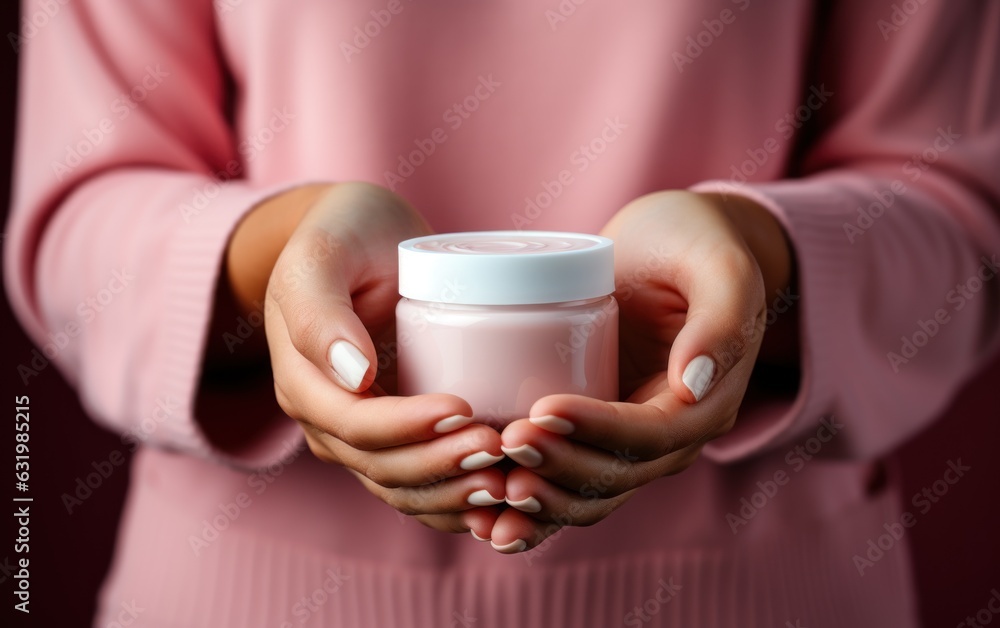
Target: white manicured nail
(528,504)
(513,547)
(477,537)
(525,455)
(348,363)
(554,424)
(452,423)
(483,498)
(479,460)
(698,375)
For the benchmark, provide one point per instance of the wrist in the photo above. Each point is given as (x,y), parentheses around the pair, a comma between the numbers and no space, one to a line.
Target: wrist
(258,240)
(250,255)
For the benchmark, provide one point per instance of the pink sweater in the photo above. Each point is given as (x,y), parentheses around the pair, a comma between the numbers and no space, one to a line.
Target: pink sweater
(872,132)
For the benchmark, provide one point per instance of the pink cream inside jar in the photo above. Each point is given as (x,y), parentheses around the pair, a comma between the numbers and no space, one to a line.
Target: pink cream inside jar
(503,319)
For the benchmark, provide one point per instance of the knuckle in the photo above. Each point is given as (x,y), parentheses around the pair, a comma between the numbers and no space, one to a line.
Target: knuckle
(423,499)
(285,402)
(401,502)
(377,473)
(630,479)
(621,483)
(594,514)
(355,436)
(723,428)
(733,348)
(739,264)
(685,458)
(476,438)
(568,476)
(319,450)
(662,445)
(617,478)
(652,451)
(442,523)
(588,519)
(305,328)
(408,509)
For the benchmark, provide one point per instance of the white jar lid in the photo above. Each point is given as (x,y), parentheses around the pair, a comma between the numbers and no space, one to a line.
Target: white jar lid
(506,267)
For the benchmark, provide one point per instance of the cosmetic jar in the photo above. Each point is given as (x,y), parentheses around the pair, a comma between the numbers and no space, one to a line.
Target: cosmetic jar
(504,318)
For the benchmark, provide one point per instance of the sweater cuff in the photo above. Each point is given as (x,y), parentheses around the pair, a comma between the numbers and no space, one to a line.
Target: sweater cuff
(195,262)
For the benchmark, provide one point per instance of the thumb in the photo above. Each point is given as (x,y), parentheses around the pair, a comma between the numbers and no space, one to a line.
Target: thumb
(723,327)
(311,285)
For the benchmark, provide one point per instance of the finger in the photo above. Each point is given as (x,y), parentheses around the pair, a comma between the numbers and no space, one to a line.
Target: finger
(582,469)
(724,322)
(533,495)
(661,424)
(475,447)
(311,285)
(344,249)
(362,421)
(711,268)
(514,532)
(476,490)
(572,465)
(478,522)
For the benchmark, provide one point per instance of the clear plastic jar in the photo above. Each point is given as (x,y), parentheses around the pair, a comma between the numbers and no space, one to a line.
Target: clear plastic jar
(504,318)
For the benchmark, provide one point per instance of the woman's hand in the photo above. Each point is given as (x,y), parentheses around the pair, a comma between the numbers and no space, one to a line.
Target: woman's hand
(332,290)
(692,292)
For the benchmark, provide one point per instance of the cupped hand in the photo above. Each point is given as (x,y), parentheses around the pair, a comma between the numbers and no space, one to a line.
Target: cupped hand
(331,292)
(690,286)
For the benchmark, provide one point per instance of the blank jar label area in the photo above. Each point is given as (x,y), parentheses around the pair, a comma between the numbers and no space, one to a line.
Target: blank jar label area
(503,359)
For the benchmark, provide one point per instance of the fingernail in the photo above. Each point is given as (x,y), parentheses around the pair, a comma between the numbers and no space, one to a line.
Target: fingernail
(452,423)
(554,424)
(479,460)
(477,537)
(348,363)
(698,375)
(528,504)
(513,547)
(525,455)
(483,498)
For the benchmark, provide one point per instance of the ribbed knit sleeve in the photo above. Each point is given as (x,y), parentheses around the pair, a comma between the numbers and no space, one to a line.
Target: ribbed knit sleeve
(894,221)
(128,185)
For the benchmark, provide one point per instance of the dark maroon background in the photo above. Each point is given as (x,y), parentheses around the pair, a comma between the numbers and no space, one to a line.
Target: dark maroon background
(956,546)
